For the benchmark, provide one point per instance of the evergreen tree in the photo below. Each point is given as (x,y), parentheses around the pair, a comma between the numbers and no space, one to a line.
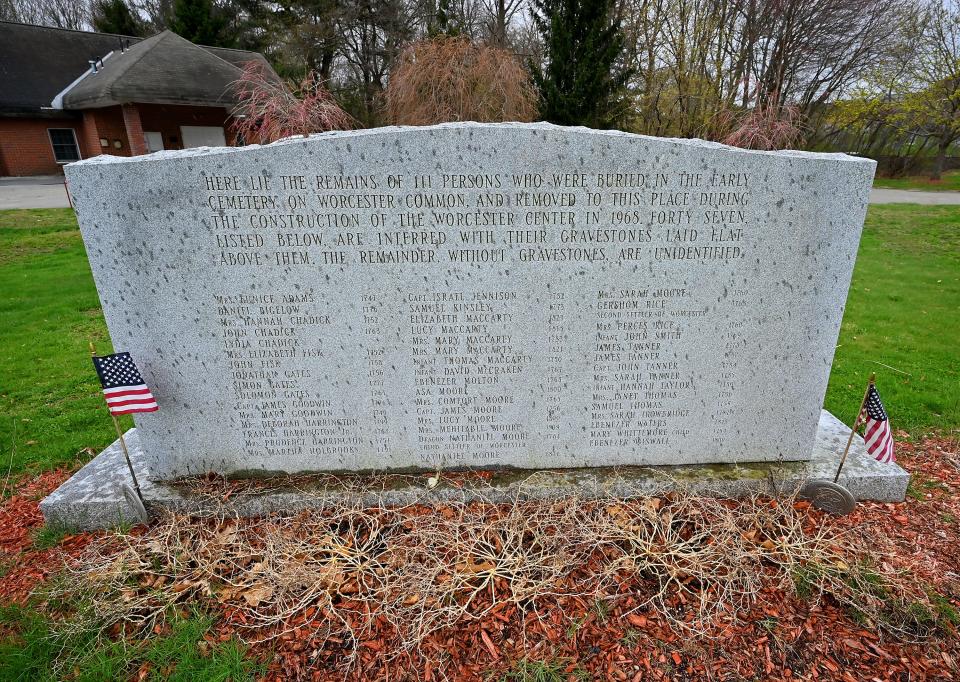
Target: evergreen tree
(442,23)
(114,16)
(200,22)
(581,82)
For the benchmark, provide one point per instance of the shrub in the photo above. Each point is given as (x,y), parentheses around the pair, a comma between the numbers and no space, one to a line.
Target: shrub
(454,79)
(270,109)
(766,126)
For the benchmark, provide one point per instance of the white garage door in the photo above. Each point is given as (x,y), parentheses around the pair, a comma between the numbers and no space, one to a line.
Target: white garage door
(154,141)
(202,136)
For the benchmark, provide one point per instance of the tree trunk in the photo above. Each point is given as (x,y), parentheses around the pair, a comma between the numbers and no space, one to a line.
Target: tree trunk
(941,160)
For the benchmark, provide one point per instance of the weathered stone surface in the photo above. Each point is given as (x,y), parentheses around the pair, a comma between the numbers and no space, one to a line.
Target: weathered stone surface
(93,498)
(474,295)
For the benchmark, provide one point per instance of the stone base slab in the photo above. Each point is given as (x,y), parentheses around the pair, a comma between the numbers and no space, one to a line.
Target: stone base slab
(93,498)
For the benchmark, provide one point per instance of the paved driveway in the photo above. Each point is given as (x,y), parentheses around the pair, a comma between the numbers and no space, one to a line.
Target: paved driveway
(48,192)
(45,191)
(909,196)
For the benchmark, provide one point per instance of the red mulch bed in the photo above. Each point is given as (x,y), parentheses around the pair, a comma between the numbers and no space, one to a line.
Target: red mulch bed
(22,567)
(783,637)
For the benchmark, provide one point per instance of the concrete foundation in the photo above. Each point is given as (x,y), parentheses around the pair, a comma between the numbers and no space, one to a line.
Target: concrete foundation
(94,497)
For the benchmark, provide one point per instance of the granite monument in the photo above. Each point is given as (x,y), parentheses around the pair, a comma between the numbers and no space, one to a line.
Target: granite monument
(474,295)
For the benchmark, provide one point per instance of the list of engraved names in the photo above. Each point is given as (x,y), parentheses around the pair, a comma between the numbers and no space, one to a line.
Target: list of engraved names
(484,313)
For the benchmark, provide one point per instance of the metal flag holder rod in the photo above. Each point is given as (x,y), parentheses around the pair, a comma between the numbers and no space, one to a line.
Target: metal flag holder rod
(830,496)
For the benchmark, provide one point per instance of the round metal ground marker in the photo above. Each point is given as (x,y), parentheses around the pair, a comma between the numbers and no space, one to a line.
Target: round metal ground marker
(133,500)
(829,496)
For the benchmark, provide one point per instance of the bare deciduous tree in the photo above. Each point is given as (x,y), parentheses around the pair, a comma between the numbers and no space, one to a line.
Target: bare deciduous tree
(373,32)
(72,14)
(813,51)
(909,104)
(499,17)
(157,14)
(695,58)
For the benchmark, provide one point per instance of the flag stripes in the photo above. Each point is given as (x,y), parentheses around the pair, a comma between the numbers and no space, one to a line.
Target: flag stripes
(877,434)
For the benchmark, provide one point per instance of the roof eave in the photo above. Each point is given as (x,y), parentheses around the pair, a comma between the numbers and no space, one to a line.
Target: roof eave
(100,103)
(13,111)
(189,103)
(90,103)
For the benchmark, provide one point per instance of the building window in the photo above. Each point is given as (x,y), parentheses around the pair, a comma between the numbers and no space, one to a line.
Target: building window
(64,142)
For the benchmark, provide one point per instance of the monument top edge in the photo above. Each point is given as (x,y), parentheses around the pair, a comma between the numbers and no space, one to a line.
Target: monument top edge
(106,159)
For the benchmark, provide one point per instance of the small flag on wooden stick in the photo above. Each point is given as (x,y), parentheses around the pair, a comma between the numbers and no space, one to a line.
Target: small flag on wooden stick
(126,393)
(123,387)
(877,433)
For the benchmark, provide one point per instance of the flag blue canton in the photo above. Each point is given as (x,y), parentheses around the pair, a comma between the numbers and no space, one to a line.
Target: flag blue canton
(875,406)
(117,370)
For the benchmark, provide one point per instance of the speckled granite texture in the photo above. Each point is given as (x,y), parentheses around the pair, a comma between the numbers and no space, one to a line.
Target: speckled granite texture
(474,295)
(93,499)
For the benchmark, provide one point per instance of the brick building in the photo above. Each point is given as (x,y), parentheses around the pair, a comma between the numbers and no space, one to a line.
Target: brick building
(68,95)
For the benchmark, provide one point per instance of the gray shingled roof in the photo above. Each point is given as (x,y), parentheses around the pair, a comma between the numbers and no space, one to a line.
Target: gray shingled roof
(163,69)
(38,62)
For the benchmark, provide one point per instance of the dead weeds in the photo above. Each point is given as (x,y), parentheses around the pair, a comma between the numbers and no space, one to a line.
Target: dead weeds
(661,587)
(391,580)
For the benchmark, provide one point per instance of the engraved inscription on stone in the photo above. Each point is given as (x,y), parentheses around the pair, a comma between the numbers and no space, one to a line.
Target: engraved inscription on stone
(474,295)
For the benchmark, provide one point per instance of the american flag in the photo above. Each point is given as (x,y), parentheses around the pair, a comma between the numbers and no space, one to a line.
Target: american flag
(878,436)
(123,387)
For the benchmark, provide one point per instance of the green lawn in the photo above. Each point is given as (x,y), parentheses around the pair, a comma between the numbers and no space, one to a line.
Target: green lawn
(903,311)
(50,404)
(949,182)
(44,651)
